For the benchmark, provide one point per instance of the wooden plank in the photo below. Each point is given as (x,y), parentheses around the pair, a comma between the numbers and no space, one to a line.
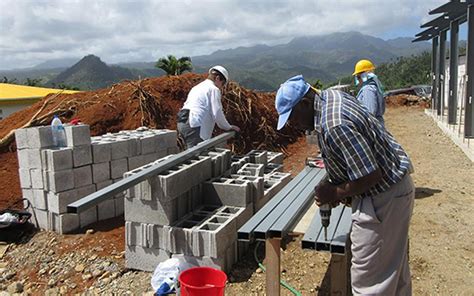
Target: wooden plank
(303,224)
(272,260)
(338,269)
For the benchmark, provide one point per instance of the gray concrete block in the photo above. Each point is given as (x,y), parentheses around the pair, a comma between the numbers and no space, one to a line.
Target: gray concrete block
(82,176)
(39,137)
(78,135)
(145,259)
(165,139)
(151,212)
(273,168)
(275,157)
(179,238)
(33,158)
(57,202)
(58,159)
(214,237)
(28,195)
(103,184)
(106,209)
(134,147)
(120,148)
(252,169)
(136,162)
(218,263)
(101,151)
(82,155)
(231,192)
(119,205)
(38,199)
(172,150)
(88,217)
(118,167)
(100,172)
(148,144)
(257,188)
(64,223)
(258,156)
(23,162)
(21,138)
(39,218)
(59,181)
(25,178)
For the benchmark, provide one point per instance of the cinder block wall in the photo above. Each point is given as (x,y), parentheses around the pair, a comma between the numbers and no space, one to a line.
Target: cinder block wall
(194,210)
(51,178)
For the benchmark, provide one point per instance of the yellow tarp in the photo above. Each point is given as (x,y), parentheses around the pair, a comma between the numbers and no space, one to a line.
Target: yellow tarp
(14,91)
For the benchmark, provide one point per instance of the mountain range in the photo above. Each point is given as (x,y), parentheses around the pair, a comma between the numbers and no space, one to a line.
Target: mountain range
(261,67)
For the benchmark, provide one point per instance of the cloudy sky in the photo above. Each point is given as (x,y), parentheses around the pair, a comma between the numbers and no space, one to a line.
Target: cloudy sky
(32,32)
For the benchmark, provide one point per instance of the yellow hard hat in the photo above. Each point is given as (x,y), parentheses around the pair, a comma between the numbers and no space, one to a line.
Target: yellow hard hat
(363,66)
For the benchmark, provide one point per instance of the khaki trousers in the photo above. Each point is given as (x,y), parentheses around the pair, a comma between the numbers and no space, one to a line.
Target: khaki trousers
(380,241)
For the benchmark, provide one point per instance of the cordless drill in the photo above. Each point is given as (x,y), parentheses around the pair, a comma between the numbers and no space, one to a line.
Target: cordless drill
(325,211)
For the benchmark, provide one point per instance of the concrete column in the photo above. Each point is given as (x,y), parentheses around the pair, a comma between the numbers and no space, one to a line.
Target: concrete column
(434,73)
(469,110)
(453,72)
(442,72)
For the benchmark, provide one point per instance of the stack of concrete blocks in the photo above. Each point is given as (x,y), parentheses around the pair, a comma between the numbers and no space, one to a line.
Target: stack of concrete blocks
(51,178)
(193,211)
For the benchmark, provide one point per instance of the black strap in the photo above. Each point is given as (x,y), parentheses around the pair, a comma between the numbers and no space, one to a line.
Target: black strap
(183,116)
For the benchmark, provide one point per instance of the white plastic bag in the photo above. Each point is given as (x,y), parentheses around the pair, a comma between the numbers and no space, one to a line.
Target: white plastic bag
(8,218)
(167,272)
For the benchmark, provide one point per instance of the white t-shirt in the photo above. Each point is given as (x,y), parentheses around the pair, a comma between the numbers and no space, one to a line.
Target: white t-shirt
(205,108)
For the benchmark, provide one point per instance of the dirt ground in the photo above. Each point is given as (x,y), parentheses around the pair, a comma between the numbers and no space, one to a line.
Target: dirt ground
(441,235)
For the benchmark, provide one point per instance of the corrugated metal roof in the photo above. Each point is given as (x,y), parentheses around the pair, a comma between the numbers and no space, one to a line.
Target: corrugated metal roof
(20,92)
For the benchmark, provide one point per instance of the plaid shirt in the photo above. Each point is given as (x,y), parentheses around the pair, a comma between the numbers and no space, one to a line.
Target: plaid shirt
(354,143)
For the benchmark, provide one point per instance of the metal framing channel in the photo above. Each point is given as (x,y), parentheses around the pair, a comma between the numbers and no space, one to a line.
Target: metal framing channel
(321,243)
(312,233)
(261,231)
(469,110)
(116,188)
(339,239)
(442,71)
(245,232)
(453,72)
(435,73)
(297,208)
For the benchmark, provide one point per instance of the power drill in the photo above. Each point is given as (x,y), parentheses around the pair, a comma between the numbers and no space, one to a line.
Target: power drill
(325,211)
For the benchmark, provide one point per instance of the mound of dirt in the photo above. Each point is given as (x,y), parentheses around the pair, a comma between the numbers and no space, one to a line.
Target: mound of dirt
(152,102)
(407,100)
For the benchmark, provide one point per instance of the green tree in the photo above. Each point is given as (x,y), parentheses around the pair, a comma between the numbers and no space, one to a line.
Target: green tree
(33,82)
(10,81)
(173,66)
(318,84)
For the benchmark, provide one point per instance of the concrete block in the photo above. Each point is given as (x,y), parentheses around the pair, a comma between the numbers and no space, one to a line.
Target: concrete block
(103,184)
(119,205)
(82,176)
(64,223)
(237,162)
(58,159)
(154,236)
(40,137)
(88,217)
(272,168)
(222,191)
(23,162)
(120,148)
(258,156)
(136,162)
(275,157)
(118,167)
(106,209)
(179,238)
(25,178)
(242,215)
(218,263)
(145,259)
(214,237)
(59,181)
(257,190)
(252,169)
(82,155)
(77,135)
(151,212)
(172,150)
(148,144)
(57,202)
(100,172)
(28,195)
(34,159)
(165,139)
(101,151)
(21,138)
(38,199)
(39,218)
(134,147)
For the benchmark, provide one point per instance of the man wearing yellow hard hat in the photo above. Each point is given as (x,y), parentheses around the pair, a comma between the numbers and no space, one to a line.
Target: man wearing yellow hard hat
(371,89)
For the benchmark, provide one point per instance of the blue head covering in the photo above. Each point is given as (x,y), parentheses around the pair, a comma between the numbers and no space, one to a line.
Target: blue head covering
(288,95)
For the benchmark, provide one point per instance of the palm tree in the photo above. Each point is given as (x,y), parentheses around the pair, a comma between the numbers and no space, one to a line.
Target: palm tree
(173,66)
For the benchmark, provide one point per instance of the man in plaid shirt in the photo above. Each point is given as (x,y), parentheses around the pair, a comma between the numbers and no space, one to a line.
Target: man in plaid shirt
(364,162)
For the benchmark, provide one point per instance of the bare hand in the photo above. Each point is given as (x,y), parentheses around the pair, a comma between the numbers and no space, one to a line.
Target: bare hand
(325,193)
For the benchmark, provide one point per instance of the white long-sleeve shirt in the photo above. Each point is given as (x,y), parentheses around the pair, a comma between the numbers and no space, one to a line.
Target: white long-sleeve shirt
(205,108)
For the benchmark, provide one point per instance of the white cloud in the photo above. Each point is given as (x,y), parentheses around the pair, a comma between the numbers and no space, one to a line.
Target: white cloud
(34,31)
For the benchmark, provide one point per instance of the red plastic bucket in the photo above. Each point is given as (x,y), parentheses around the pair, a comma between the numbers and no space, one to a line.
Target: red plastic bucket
(202,281)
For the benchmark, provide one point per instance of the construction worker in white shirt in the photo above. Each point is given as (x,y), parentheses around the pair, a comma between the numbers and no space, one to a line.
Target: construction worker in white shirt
(203,109)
